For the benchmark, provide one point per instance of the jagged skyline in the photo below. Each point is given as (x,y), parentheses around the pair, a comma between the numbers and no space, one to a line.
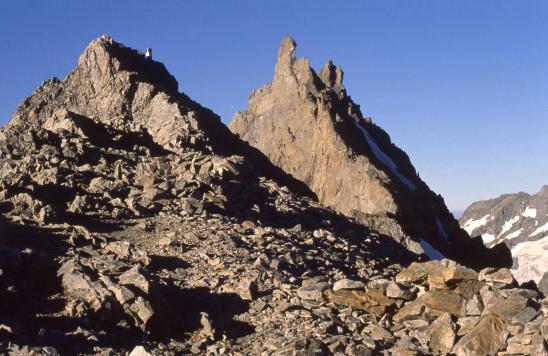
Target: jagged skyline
(133,221)
(450,95)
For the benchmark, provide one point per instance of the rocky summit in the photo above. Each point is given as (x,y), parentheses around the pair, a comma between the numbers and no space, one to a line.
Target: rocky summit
(133,222)
(306,124)
(521,222)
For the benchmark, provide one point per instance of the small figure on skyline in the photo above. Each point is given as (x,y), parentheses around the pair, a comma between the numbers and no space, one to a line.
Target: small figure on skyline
(148,54)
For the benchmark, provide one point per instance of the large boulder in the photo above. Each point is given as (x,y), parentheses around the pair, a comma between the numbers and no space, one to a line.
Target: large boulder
(486,338)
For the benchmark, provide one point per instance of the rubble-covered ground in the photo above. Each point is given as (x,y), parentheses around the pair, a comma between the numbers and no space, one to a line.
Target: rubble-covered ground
(124,249)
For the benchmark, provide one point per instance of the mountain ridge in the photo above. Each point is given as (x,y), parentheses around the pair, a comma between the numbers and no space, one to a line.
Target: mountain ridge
(520,221)
(133,222)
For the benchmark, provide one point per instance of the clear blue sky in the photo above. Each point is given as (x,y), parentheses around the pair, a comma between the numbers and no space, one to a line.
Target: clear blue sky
(462,86)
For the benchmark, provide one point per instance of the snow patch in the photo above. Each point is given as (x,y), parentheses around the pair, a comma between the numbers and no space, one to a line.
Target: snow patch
(385,159)
(441,230)
(529,212)
(532,259)
(543,228)
(487,238)
(472,224)
(431,251)
(513,234)
(508,225)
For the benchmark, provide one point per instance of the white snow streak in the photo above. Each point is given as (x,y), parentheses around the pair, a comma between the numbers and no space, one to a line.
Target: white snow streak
(385,159)
(487,238)
(508,225)
(530,212)
(543,228)
(431,251)
(513,234)
(532,260)
(441,230)
(472,224)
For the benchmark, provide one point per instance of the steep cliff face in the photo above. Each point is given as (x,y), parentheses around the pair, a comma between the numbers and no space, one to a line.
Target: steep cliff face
(306,124)
(520,221)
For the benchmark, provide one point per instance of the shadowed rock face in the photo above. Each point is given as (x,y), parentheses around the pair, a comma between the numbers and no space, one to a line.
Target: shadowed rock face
(306,124)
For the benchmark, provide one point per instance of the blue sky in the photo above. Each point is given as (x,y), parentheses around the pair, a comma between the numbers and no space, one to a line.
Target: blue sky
(462,86)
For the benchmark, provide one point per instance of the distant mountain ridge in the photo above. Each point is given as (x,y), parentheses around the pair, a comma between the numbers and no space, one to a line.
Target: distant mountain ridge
(521,222)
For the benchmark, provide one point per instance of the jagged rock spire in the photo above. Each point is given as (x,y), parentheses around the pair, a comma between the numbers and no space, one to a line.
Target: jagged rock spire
(307,125)
(286,57)
(332,76)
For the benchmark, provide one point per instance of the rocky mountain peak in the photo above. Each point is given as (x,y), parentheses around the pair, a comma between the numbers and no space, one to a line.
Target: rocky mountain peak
(117,86)
(307,125)
(289,69)
(291,73)
(103,59)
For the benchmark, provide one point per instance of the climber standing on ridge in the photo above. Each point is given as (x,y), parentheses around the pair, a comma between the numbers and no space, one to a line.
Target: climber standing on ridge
(148,54)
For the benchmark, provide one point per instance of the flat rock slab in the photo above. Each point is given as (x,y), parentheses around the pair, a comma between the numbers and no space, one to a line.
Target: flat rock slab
(486,338)
(442,301)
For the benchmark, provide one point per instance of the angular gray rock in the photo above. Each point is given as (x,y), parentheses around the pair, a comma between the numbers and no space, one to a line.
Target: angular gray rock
(347,284)
(139,351)
(442,334)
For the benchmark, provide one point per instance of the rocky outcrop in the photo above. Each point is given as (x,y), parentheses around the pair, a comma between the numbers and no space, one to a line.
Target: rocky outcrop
(449,309)
(521,222)
(306,124)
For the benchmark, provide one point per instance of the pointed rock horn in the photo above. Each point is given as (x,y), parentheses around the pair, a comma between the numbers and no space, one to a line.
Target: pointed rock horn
(331,75)
(286,52)
(286,56)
